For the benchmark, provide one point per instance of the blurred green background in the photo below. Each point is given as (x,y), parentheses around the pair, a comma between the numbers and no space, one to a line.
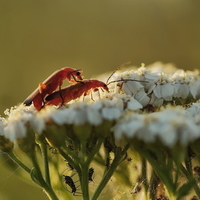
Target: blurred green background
(38,37)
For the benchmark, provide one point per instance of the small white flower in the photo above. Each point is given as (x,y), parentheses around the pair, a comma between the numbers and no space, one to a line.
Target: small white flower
(181,90)
(142,97)
(15,130)
(111,109)
(94,116)
(128,125)
(154,101)
(195,88)
(194,109)
(75,114)
(80,117)
(133,104)
(181,84)
(131,87)
(161,89)
(164,90)
(38,123)
(111,113)
(17,121)
(64,116)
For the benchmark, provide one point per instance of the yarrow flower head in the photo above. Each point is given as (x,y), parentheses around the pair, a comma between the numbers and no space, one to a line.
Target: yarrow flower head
(153,109)
(147,86)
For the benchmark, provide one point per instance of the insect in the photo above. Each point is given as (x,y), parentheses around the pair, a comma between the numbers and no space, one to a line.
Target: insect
(90,174)
(129,159)
(74,91)
(69,181)
(51,84)
(78,89)
(196,172)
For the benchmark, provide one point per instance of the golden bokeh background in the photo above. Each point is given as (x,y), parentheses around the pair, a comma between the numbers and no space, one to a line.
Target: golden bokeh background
(38,37)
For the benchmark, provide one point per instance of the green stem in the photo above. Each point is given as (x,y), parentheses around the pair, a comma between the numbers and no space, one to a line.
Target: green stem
(154,181)
(84,182)
(118,156)
(107,161)
(85,162)
(18,162)
(84,174)
(144,174)
(71,153)
(161,172)
(95,150)
(38,178)
(46,163)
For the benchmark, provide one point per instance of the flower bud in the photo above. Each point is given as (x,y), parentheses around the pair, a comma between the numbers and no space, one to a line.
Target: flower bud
(83,132)
(55,135)
(121,142)
(27,143)
(103,130)
(5,144)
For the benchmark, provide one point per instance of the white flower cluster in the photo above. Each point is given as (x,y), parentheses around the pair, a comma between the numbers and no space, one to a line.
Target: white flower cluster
(159,85)
(81,112)
(15,125)
(170,125)
(19,118)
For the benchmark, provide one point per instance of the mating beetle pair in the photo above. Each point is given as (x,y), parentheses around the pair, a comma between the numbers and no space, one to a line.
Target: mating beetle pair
(46,93)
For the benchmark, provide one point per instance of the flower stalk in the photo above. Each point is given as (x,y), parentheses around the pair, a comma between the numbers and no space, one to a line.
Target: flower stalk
(43,149)
(37,177)
(14,158)
(119,155)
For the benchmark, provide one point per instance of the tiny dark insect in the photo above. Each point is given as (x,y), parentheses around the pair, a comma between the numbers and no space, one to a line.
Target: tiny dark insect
(90,174)
(108,159)
(69,181)
(129,159)
(196,170)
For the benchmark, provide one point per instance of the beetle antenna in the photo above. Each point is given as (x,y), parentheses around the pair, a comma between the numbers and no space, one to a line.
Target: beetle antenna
(126,63)
(124,80)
